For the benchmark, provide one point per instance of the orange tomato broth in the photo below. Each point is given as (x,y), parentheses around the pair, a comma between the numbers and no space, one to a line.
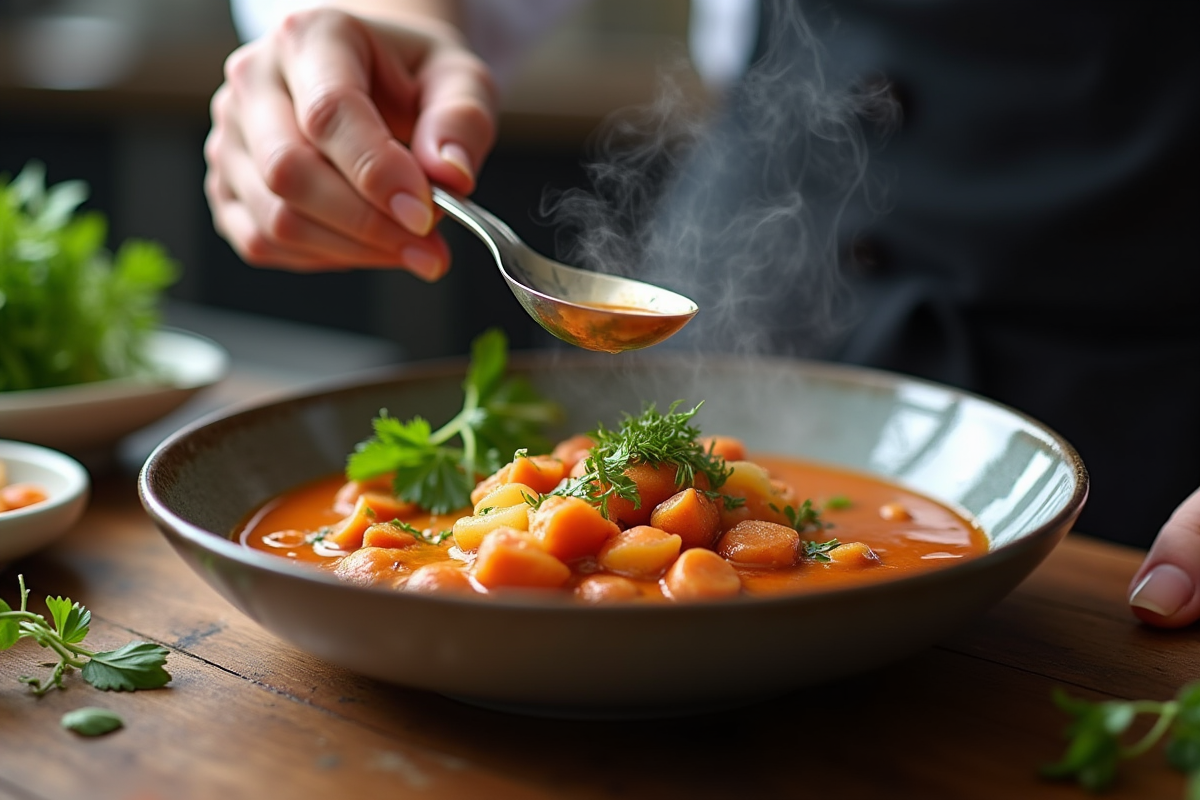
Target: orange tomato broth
(934,537)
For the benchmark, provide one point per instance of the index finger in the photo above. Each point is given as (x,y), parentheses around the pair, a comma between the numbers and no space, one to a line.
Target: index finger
(326,65)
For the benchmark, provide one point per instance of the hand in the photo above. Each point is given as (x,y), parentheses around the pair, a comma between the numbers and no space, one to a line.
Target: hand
(1164,590)
(307,163)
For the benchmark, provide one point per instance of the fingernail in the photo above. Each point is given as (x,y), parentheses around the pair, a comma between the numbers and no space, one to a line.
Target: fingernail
(1164,590)
(412,213)
(422,263)
(456,155)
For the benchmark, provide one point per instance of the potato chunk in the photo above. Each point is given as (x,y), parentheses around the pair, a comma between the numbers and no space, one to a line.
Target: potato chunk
(763,497)
(700,574)
(469,531)
(854,554)
(641,552)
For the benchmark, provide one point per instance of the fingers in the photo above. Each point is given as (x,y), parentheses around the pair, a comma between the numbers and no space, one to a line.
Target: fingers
(1164,590)
(307,163)
(327,61)
(457,124)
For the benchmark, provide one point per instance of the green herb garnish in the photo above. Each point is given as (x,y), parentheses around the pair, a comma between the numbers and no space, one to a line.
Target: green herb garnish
(427,535)
(70,312)
(650,438)
(1096,737)
(92,721)
(839,502)
(438,469)
(137,665)
(805,518)
(819,551)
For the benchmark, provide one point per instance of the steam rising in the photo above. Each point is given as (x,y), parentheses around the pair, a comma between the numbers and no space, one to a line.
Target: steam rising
(740,209)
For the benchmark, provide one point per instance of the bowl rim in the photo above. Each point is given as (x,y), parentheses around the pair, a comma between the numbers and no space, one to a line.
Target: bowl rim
(1045,535)
(76,476)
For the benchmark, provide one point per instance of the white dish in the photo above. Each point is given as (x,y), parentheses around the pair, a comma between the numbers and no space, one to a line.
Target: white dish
(66,484)
(92,416)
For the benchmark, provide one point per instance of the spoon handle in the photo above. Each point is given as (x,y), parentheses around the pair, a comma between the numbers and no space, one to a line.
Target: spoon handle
(483,223)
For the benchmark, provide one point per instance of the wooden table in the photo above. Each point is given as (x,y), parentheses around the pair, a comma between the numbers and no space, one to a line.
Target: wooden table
(248,716)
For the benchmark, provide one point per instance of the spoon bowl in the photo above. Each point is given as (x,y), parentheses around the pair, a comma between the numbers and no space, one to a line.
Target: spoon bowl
(591,310)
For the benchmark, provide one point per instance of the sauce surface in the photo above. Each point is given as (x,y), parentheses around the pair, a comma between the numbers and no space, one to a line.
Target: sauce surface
(925,537)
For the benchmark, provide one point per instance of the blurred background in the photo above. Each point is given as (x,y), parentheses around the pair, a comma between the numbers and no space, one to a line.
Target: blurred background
(115,92)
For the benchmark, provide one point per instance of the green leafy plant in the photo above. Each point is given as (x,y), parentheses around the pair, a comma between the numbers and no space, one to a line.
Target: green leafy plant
(437,469)
(1098,731)
(70,311)
(649,438)
(137,665)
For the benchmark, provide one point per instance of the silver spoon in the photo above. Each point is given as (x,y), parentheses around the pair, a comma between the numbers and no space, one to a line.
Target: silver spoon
(587,309)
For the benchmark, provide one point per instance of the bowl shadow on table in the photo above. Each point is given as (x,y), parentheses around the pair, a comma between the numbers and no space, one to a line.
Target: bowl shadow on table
(854,737)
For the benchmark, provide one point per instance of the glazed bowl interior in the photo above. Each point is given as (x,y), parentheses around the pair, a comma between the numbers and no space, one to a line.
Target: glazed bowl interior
(1021,482)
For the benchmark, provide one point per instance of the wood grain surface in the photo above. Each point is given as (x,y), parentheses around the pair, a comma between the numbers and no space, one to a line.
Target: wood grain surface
(247,716)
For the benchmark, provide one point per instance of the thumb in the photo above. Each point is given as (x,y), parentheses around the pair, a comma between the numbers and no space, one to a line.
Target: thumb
(1164,589)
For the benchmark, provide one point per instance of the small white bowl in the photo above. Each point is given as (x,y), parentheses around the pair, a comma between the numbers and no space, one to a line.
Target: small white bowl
(66,483)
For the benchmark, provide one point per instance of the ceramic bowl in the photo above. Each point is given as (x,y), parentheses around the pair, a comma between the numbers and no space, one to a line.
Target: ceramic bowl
(88,417)
(1023,483)
(66,484)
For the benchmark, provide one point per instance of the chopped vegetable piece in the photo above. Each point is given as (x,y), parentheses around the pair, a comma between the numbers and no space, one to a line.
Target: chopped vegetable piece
(759,543)
(606,589)
(509,558)
(570,528)
(641,552)
(700,574)
(690,514)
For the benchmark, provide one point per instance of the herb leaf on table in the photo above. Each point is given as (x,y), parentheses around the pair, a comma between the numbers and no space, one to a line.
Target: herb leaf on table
(1097,731)
(137,665)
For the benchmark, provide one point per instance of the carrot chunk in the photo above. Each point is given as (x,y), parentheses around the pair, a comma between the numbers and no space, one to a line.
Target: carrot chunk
(759,543)
(640,552)
(700,574)
(440,577)
(20,495)
(385,534)
(573,450)
(343,502)
(691,515)
(372,565)
(369,508)
(606,589)
(726,447)
(515,558)
(540,473)
(570,527)
(655,483)
(895,512)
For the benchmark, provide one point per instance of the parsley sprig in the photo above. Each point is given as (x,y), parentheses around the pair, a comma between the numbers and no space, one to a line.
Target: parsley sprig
(650,438)
(1098,730)
(73,311)
(137,665)
(437,469)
